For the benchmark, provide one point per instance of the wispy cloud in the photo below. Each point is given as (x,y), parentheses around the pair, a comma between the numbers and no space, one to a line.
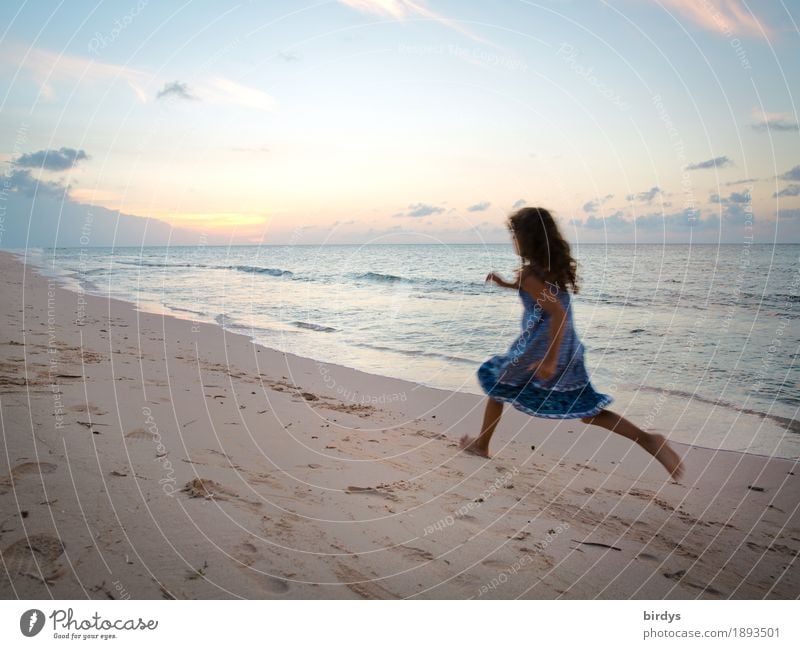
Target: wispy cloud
(791,190)
(645,197)
(402,9)
(764,121)
(220,90)
(479,207)
(52,159)
(518,204)
(592,206)
(725,17)
(288,57)
(176,89)
(422,209)
(792,174)
(49,69)
(722,161)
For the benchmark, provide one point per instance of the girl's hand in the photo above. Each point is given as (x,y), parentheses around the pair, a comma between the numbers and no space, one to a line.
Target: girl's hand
(496,279)
(544,369)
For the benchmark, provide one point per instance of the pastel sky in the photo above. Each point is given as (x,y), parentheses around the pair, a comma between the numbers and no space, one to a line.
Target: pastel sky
(390,120)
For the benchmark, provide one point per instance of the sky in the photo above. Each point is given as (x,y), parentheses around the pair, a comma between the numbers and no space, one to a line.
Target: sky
(389,121)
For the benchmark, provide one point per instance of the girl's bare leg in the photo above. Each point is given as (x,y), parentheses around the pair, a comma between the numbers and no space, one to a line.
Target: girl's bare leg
(480,445)
(653,443)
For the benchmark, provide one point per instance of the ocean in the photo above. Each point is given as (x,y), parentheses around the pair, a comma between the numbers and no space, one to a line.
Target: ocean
(698,342)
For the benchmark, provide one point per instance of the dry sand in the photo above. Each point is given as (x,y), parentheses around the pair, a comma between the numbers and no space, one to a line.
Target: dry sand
(147,456)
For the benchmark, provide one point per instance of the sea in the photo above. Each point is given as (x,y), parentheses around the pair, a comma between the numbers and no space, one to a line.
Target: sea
(698,342)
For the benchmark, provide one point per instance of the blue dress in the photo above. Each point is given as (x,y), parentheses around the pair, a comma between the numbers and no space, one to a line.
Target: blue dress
(568,394)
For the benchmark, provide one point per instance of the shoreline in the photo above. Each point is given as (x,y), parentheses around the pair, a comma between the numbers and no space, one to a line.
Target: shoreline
(179,459)
(732,430)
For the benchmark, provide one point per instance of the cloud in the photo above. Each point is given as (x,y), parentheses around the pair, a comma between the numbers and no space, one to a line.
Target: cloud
(792,174)
(22,182)
(51,159)
(791,190)
(684,220)
(764,122)
(615,221)
(734,208)
(722,161)
(397,9)
(49,69)
(402,9)
(592,206)
(176,89)
(220,90)
(288,57)
(518,204)
(725,17)
(479,207)
(741,182)
(645,197)
(734,197)
(422,209)
(40,213)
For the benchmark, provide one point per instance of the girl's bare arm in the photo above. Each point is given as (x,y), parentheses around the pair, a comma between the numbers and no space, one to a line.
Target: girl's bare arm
(494,277)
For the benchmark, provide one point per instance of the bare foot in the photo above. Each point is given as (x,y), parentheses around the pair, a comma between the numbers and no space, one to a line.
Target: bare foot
(664,453)
(470,445)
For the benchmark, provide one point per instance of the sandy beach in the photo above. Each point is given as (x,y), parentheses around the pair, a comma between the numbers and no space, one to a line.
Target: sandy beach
(146,456)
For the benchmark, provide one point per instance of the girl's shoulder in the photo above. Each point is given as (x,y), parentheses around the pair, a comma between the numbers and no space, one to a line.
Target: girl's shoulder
(532,270)
(536,272)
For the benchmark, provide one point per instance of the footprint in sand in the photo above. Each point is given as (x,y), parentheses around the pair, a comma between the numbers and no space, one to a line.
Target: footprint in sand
(87,407)
(495,563)
(212,490)
(466,517)
(140,435)
(647,557)
(35,556)
(210,456)
(680,576)
(361,585)
(25,469)
(246,555)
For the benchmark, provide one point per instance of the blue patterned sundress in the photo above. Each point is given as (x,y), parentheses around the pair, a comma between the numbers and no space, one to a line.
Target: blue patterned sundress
(568,394)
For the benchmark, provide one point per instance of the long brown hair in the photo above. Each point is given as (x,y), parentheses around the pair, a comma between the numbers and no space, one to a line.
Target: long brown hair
(542,247)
